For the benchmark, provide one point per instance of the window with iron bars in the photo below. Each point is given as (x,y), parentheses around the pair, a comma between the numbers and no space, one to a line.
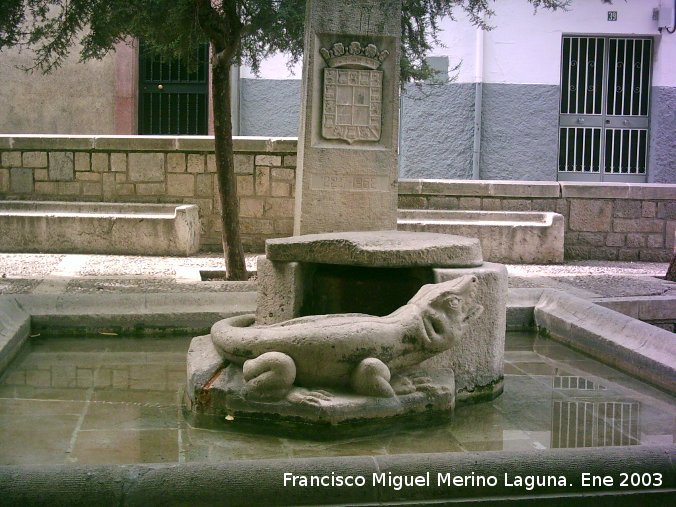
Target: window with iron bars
(604,108)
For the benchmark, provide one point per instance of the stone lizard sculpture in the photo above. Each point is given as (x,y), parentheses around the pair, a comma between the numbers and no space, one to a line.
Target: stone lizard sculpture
(354,351)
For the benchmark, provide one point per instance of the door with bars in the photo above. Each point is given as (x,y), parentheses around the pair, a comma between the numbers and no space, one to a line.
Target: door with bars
(604,111)
(173,97)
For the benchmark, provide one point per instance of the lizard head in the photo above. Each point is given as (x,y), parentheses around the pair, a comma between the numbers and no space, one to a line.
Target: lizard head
(446,309)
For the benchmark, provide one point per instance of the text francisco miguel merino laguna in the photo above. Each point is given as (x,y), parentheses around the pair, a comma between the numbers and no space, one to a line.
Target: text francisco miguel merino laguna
(398,482)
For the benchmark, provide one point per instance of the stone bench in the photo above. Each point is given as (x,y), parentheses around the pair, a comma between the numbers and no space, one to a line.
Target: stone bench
(505,236)
(99,228)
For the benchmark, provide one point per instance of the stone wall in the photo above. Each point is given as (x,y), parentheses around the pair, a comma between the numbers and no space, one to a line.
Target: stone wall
(613,221)
(617,221)
(157,169)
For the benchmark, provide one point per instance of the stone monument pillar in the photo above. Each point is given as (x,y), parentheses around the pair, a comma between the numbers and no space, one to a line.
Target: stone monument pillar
(346,177)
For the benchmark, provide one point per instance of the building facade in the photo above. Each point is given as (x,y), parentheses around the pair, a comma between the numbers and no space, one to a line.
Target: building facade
(587,94)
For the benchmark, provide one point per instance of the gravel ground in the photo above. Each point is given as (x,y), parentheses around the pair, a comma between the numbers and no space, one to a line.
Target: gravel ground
(23,273)
(129,285)
(621,286)
(28,265)
(110,265)
(594,268)
(18,285)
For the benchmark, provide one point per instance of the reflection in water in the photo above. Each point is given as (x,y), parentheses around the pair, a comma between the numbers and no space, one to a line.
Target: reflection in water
(575,382)
(118,400)
(595,424)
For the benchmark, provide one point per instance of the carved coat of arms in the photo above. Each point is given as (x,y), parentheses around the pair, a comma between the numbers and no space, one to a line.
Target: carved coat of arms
(353,91)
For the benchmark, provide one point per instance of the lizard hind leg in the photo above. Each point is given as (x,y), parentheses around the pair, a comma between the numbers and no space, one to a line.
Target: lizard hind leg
(269,377)
(371,377)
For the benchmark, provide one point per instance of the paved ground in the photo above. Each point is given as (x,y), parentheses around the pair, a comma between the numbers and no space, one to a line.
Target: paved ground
(58,273)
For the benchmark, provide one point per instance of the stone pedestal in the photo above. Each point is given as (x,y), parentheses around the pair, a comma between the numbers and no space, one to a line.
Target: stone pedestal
(289,287)
(217,393)
(346,177)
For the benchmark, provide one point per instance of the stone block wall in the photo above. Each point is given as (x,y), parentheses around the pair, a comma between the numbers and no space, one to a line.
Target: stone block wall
(156,169)
(611,221)
(614,221)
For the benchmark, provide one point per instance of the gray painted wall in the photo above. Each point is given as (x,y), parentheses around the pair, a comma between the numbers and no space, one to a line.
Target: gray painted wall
(662,161)
(437,124)
(518,139)
(519,135)
(269,107)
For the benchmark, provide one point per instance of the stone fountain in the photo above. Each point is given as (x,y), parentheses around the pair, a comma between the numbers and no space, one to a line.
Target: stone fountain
(433,332)
(367,324)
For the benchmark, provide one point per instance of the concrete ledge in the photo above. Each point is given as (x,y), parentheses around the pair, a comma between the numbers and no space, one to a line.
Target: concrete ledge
(42,142)
(505,236)
(110,228)
(645,308)
(482,188)
(588,190)
(520,306)
(14,330)
(37,142)
(135,143)
(261,482)
(537,189)
(147,312)
(266,144)
(644,351)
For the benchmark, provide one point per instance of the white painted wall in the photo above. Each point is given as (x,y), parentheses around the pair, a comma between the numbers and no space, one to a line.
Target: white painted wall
(525,48)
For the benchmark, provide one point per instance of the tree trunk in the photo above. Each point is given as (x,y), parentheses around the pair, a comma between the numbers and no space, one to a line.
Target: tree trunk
(671,272)
(225,172)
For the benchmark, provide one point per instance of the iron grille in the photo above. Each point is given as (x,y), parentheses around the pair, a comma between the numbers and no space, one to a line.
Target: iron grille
(582,81)
(629,76)
(173,98)
(626,151)
(605,102)
(580,149)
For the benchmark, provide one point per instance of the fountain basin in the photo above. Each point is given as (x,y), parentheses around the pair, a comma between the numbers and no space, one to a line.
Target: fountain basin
(129,443)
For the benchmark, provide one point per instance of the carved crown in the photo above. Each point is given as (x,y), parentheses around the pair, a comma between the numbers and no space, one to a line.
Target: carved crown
(354,55)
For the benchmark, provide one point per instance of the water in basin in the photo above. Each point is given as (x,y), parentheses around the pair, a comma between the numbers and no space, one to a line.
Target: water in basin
(118,400)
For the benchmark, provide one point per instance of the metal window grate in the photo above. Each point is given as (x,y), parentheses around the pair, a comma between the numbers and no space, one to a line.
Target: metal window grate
(582,75)
(629,77)
(604,107)
(626,151)
(173,97)
(580,149)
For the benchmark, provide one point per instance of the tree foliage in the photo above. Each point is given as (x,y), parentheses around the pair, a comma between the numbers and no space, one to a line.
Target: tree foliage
(174,28)
(238,31)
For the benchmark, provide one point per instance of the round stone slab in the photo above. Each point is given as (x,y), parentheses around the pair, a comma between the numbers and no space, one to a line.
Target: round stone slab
(381,249)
